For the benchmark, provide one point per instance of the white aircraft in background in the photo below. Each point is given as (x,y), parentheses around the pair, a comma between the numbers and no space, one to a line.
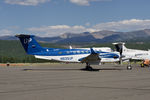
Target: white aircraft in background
(89,56)
(133,54)
(106,49)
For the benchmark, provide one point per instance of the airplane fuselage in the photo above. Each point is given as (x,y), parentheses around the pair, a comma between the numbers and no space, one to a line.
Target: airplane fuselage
(73,55)
(137,54)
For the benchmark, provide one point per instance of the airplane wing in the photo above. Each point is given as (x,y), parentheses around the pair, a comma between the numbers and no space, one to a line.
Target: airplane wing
(92,58)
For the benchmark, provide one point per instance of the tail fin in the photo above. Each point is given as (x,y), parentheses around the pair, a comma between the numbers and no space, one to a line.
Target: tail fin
(29,43)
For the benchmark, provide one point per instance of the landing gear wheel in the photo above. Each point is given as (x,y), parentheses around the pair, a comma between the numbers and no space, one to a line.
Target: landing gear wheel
(129,67)
(89,68)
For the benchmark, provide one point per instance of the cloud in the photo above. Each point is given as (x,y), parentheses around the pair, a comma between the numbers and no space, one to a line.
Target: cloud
(26,2)
(36,2)
(58,30)
(5,32)
(124,25)
(85,2)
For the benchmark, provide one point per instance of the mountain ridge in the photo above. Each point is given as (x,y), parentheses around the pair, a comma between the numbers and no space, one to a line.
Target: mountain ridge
(93,37)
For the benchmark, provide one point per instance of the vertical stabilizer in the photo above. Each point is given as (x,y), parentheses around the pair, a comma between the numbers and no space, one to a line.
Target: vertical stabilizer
(29,43)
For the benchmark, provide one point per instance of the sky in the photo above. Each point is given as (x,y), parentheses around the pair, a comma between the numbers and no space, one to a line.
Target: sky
(48,18)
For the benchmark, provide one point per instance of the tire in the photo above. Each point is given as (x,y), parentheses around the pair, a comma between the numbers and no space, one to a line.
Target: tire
(129,67)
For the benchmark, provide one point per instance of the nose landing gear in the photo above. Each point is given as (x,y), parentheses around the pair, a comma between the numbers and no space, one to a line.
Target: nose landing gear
(129,67)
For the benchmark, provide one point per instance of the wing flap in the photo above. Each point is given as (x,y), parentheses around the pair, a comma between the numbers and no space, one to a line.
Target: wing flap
(91,58)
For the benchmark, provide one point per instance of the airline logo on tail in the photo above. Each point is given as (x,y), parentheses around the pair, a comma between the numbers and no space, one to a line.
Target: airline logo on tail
(26,40)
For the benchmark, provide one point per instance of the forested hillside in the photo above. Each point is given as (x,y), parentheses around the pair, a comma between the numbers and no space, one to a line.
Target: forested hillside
(12,51)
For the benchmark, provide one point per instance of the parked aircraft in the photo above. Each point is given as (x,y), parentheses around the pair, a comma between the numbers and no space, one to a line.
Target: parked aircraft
(88,56)
(133,54)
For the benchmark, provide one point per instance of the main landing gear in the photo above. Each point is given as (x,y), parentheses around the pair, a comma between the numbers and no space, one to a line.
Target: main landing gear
(89,68)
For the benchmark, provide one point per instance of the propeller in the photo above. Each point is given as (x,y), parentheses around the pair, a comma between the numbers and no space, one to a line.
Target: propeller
(120,59)
(119,48)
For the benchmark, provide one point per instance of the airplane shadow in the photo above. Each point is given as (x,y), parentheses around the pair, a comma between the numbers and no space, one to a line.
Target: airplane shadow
(83,69)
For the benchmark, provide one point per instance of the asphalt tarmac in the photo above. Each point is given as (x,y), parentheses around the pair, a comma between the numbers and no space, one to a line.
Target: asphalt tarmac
(69,82)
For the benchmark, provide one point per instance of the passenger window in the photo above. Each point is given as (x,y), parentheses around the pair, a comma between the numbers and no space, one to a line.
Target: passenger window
(67,52)
(86,51)
(78,51)
(82,51)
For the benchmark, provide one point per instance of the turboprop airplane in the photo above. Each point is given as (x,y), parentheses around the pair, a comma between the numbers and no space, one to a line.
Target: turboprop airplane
(133,54)
(88,56)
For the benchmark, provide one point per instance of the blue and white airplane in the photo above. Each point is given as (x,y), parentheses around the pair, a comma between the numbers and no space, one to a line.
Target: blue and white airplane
(88,56)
